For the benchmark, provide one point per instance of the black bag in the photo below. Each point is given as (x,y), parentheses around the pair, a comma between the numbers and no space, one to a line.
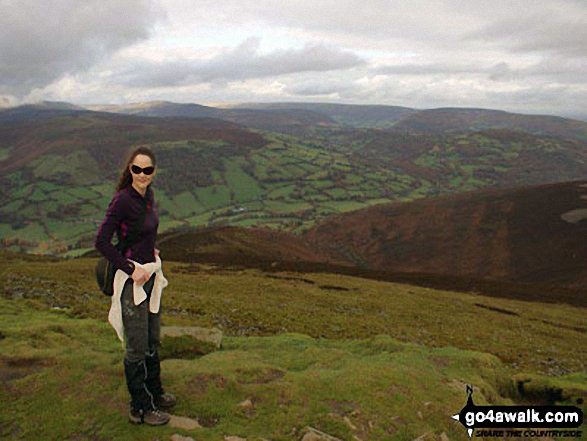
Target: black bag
(105,270)
(105,276)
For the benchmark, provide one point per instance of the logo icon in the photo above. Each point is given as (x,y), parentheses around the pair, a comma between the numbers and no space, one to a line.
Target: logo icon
(469,407)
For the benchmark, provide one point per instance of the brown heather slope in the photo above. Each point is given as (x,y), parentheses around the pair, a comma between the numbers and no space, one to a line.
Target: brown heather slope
(526,243)
(516,236)
(259,248)
(107,136)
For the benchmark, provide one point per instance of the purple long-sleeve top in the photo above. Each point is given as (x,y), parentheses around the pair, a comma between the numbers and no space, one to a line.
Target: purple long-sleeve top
(123,213)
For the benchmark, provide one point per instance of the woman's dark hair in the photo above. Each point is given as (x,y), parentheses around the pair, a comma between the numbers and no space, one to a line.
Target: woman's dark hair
(125,177)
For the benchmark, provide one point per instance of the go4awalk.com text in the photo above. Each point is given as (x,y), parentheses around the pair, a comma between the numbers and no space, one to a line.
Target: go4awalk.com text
(520,421)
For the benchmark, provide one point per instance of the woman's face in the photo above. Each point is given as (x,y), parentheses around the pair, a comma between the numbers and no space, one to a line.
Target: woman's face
(143,165)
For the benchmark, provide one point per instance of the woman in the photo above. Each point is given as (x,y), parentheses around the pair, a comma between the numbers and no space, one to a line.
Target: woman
(131,215)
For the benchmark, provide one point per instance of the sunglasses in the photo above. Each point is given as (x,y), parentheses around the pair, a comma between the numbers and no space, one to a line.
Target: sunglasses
(138,170)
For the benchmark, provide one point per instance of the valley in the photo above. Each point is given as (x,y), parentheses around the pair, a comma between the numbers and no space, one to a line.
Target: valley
(59,165)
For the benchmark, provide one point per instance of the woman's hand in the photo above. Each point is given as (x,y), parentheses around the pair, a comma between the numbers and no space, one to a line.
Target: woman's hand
(140,275)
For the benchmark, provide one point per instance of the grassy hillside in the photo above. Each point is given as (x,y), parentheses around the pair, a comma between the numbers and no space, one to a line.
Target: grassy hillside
(253,302)
(72,386)
(286,119)
(474,120)
(359,116)
(348,356)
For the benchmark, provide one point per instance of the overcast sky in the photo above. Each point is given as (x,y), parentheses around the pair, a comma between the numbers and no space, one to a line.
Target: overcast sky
(528,56)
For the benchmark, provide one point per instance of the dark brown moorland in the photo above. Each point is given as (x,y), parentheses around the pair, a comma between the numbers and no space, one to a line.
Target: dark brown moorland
(526,243)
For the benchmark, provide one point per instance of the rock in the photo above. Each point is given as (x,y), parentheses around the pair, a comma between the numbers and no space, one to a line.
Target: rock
(444,437)
(246,408)
(206,335)
(183,423)
(426,436)
(177,437)
(574,216)
(234,438)
(188,342)
(246,405)
(349,423)
(311,434)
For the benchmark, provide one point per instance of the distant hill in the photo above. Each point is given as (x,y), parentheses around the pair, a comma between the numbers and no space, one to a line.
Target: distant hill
(473,120)
(299,117)
(35,131)
(42,110)
(533,235)
(368,116)
(282,119)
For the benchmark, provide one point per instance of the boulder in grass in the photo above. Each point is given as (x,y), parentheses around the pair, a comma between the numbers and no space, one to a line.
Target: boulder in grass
(311,434)
(189,341)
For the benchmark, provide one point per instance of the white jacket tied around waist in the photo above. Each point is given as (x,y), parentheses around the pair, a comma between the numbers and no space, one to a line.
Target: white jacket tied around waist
(139,294)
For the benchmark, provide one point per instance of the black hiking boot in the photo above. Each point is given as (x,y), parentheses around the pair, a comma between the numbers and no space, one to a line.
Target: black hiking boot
(149,417)
(165,401)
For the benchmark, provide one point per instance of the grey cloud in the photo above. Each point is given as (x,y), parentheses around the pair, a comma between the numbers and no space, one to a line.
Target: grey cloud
(555,70)
(426,69)
(550,32)
(44,40)
(500,72)
(552,69)
(417,26)
(323,87)
(374,19)
(242,63)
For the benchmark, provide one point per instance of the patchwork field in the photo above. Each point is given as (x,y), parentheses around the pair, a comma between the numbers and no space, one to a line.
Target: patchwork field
(58,170)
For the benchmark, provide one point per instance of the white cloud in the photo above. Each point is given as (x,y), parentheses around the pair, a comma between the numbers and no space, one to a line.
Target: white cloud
(526,55)
(242,63)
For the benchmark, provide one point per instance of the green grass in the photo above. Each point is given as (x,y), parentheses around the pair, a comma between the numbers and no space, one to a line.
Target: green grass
(199,220)
(64,197)
(348,356)
(50,165)
(213,197)
(372,388)
(242,184)
(83,193)
(343,206)
(104,189)
(166,223)
(281,192)
(13,206)
(68,230)
(32,232)
(185,205)
(277,207)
